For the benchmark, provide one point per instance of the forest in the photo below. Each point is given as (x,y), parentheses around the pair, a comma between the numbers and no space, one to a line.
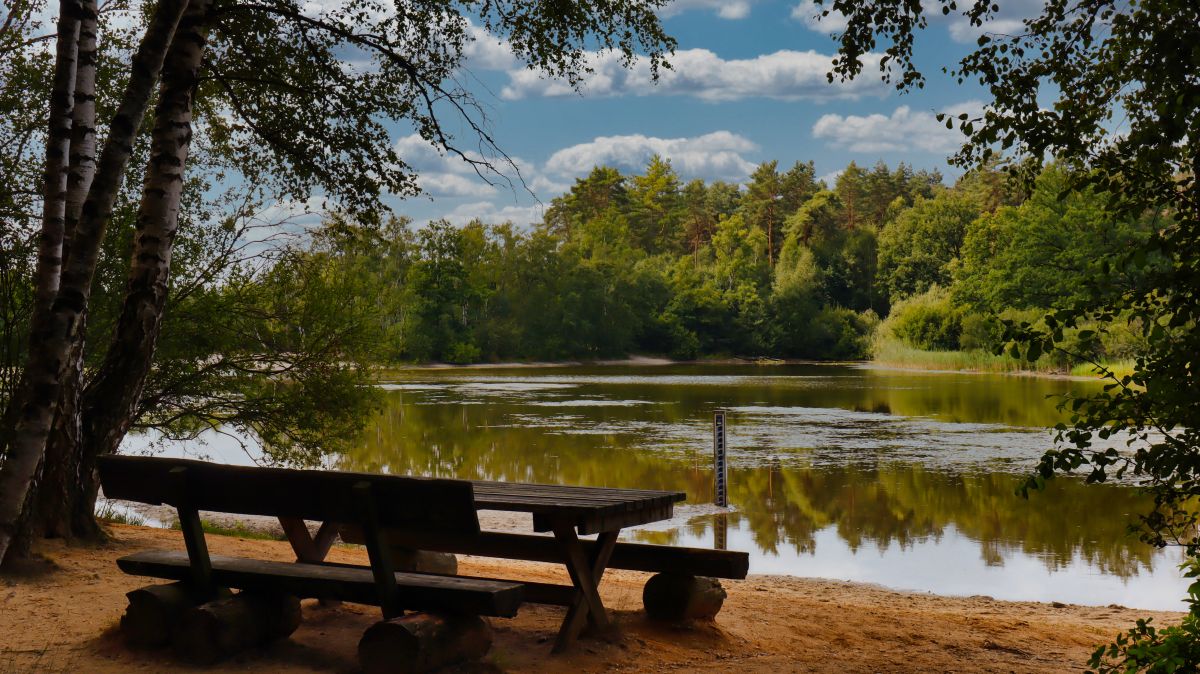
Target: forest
(885,262)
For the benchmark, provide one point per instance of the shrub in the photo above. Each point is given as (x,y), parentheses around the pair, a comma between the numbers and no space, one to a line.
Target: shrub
(927,321)
(980,332)
(462,353)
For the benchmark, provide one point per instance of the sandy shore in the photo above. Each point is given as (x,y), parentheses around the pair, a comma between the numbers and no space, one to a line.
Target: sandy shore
(64,617)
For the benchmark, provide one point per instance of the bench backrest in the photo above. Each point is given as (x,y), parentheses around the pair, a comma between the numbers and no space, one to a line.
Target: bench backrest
(411,503)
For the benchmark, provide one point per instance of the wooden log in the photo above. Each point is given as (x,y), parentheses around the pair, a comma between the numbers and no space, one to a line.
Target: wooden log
(676,597)
(154,611)
(424,561)
(423,642)
(217,629)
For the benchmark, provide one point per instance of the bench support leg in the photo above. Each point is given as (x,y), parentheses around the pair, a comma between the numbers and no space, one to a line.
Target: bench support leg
(585,575)
(308,548)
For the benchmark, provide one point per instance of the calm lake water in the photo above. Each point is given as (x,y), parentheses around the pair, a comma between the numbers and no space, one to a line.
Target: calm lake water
(900,478)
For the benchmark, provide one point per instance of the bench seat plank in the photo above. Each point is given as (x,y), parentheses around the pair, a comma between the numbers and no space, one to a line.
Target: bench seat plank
(346,583)
(731,564)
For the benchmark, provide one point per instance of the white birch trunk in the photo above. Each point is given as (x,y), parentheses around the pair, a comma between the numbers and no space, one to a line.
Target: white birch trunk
(111,399)
(55,331)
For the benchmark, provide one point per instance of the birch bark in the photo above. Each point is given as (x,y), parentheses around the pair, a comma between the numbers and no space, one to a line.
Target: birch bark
(55,329)
(56,493)
(111,399)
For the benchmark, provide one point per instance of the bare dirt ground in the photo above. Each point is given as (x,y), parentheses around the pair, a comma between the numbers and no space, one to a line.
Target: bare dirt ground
(62,616)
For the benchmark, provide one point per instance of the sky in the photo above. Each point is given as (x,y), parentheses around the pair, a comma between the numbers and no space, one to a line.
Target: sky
(748,85)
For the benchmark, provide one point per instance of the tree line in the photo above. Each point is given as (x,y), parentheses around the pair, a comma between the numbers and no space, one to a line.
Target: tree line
(782,266)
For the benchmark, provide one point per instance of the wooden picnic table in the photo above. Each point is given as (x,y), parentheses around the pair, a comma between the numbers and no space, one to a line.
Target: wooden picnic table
(386,512)
(567,512)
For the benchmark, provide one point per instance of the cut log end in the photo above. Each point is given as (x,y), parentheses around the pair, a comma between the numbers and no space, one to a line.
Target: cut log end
(677,597)
(424,561)
(154,611)
(217,629)
(423,642)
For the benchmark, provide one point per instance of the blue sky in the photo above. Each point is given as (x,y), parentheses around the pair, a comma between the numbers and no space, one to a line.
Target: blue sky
(748,86)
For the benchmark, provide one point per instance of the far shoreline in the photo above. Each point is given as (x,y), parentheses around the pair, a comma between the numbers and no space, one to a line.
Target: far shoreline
(655,361)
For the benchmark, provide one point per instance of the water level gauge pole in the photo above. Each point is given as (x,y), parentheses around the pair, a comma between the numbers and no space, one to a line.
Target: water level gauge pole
(720,467)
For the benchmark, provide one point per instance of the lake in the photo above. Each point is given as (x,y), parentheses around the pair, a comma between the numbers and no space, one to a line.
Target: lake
(900,478)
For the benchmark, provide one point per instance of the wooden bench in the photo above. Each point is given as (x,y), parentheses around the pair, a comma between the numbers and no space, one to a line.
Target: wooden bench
(371,502)
(731,564)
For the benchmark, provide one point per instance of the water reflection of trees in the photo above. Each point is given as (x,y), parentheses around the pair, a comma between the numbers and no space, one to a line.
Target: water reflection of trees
(782,506)
(902,504)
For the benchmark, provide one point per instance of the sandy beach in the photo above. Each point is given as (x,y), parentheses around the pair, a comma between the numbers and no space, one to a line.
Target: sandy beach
(61,615)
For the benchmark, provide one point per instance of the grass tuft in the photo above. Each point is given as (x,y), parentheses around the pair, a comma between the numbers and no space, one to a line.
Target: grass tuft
(107,512)
(237,530)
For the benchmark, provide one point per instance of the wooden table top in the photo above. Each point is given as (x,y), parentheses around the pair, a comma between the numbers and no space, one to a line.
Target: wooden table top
(548,499)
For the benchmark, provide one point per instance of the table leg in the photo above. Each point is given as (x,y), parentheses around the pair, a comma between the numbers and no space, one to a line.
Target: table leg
(585,575)
(308,548)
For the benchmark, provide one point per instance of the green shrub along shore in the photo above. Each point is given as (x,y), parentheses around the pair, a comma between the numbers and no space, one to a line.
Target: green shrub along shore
(931,331)
(891,352)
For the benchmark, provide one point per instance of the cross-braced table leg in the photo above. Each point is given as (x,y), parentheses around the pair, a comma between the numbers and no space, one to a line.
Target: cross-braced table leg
(585,575)
(309,548)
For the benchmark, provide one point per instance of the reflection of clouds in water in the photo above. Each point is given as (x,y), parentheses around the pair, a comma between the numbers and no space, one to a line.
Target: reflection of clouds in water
(953,563)
(592,403)
(487,388)
(510,386)
(789,381)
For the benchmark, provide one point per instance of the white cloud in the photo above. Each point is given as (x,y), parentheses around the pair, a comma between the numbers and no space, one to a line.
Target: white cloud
(785,75)
(443,175)
(490,213)
(486,51)
(1007,21)
(903,130)
(830,179)
(809,13)
(292,214)
(717,155)
(737,9)
(454,185)
(711,156)
(546,187)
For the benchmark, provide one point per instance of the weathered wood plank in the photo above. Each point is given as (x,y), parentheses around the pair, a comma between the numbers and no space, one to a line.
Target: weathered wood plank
(530,501)
(531,547)
(411,502)
(549,488)
(532,592)
(415,591)
(594,523)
